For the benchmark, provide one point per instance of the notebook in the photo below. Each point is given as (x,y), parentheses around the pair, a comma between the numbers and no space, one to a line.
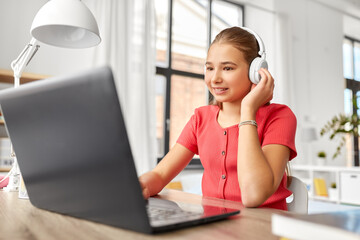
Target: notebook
(70,140)
(344,225)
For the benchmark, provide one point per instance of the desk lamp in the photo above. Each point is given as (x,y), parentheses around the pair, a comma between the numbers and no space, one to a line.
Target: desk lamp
(61,23)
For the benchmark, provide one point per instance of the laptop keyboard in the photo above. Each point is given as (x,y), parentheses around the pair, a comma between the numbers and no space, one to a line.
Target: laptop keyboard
(156,214)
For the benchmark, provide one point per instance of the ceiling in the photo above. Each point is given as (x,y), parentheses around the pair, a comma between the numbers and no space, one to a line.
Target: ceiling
(351,11)
(350,7)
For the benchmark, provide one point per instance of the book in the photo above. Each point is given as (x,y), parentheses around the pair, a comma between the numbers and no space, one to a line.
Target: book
(320,187)
(342,225)
(174,185)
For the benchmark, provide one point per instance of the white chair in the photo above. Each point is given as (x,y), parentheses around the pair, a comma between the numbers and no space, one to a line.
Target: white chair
(298,201)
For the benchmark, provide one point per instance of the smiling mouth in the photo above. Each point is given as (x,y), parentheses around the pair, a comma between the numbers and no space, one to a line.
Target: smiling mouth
(220,90)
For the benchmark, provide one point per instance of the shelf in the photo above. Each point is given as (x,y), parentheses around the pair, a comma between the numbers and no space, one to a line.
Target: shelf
(7,76)
(323,168)
(325,199)
(346,178)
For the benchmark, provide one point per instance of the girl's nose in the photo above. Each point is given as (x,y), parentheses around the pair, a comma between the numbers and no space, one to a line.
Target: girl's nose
(216,77)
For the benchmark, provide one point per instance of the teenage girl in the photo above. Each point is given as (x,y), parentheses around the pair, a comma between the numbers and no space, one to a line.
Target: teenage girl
(243,141)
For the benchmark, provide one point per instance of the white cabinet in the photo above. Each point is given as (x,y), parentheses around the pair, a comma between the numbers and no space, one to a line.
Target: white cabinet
(347,180)
(350,187)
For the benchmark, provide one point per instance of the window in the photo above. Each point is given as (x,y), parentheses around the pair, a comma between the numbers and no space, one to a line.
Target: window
(185,29)
(351,66)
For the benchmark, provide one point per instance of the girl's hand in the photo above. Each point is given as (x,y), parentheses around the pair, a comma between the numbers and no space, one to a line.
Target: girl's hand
(145,189)
(151,184)
(175,160)
(259,94)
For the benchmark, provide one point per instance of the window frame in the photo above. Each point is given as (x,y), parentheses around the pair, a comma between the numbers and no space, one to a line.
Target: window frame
(354,86)
(168,72)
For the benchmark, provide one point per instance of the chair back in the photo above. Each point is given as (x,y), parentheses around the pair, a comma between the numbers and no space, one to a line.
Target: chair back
(298,201)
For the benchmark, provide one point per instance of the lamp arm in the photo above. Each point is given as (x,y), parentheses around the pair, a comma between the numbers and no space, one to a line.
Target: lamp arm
(19,64)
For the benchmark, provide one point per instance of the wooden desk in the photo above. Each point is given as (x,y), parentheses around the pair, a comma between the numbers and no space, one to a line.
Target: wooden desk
(20,220)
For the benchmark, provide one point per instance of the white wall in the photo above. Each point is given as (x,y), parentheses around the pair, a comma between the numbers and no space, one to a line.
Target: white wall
(318,84)
(16,17)
(303,40)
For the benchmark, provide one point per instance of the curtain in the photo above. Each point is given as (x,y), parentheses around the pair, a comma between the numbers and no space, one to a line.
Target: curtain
(127,30)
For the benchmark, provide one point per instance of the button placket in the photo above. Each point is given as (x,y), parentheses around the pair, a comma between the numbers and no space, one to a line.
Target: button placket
(223,161)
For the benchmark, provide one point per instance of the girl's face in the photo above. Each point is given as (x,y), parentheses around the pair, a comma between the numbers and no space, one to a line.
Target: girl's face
(226,73)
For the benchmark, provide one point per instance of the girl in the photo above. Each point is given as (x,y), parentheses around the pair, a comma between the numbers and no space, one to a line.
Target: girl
(243,141)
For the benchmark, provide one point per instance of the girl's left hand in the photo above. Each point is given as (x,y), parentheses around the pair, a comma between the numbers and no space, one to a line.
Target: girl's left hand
(260,94)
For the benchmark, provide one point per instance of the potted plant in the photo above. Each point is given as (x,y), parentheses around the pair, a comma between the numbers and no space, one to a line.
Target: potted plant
(333,192)
(341,125)
(321,158)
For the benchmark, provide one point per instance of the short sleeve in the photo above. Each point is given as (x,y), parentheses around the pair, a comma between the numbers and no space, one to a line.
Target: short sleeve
(188,135)
(281,129)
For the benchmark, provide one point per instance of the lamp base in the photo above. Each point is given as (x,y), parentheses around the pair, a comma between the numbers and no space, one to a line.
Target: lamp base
(13,185)
(14,178)
(22,189)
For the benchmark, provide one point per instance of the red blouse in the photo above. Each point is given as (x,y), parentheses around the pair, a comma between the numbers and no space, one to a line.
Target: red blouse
(217,148)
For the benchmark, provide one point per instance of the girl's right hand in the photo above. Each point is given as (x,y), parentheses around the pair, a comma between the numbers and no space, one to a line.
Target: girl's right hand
(145,190)
(151,184)
(154,181)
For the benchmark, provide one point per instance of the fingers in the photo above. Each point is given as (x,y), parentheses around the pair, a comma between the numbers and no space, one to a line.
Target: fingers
(267,84)
(261,93)
(266,76)
(146,193)
(145,190)
(253,85)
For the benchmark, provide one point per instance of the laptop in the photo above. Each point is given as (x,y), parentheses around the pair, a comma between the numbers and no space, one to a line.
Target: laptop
(71,144)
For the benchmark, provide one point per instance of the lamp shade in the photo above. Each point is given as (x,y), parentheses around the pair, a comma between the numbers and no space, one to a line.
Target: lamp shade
(66,23)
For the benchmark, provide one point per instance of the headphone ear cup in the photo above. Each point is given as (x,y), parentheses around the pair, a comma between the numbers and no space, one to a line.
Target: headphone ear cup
(255,66)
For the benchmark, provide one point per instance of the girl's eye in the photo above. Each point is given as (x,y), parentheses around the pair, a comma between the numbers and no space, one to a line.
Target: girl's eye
(228,68)
(209,68)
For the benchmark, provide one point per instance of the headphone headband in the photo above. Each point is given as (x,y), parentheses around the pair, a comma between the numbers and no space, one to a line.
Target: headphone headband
(258,39)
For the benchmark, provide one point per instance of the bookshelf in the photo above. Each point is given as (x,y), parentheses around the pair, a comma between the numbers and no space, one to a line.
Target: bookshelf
(347,180)
(6,76)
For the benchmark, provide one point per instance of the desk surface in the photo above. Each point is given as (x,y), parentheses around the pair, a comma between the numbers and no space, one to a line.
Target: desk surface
(20,220)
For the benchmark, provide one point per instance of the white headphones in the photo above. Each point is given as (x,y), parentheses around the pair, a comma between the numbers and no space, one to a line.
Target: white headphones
(258,62)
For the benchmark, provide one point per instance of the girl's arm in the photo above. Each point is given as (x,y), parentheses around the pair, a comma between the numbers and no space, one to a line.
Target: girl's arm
(171,165)
(260,170)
